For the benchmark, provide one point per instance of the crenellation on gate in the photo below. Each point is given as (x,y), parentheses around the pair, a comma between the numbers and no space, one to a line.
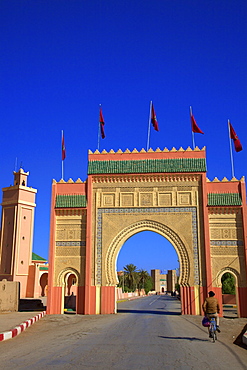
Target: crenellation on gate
(233,179)
(150,150)
(69,181)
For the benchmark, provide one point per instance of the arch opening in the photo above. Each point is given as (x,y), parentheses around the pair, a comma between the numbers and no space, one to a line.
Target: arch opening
(188,284)
(43,282)
(69,279)
(151,254)
(128,232)
(228,280)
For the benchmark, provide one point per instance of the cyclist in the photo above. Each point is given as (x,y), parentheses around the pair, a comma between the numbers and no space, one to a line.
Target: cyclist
(211,308)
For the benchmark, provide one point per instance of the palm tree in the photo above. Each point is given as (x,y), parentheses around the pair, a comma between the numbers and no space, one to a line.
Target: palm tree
(130,273)
(143,276)
(121,279)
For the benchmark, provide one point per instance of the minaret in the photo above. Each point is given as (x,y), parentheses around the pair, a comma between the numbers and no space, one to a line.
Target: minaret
(18,206)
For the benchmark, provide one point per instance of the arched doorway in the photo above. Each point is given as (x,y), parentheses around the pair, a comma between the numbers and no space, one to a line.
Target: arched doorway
(188,287)
(68,279)
(116,245)
(153,254)
(229,290)
(43,284)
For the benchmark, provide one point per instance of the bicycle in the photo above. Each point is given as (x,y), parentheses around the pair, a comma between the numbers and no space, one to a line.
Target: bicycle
(212,329)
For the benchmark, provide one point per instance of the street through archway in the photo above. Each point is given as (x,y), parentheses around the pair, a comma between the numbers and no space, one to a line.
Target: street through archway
(154,304)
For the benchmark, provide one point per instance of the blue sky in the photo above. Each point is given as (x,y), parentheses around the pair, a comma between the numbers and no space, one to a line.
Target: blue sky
(60,59)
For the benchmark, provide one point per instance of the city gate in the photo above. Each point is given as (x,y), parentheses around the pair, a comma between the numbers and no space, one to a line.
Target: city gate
(162,191)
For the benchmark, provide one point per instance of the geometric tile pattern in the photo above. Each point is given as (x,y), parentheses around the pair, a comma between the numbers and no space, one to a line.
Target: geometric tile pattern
(71,244)
(227,242)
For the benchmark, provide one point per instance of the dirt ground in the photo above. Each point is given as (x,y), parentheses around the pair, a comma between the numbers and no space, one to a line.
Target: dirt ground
(232,329)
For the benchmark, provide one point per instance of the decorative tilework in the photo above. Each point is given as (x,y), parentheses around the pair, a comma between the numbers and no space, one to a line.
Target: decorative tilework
(148,166)
(71,244)
(70,201)
(227,242)
(43,268)
(224,199)
(191,210)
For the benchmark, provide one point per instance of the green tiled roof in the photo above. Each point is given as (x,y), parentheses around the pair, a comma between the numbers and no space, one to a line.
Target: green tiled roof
(149,165)
(36,257)
(70,201)
(43,268)
(224,199)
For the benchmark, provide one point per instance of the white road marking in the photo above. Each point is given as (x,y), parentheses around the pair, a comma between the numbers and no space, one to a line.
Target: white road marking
(154,301)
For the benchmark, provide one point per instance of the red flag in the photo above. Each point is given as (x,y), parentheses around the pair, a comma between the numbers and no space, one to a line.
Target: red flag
(194,125)
(63,148)
(154,119)
(102,123)
(234,137)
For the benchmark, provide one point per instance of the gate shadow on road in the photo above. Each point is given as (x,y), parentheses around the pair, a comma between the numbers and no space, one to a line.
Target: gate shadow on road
(185,338)
(149,312)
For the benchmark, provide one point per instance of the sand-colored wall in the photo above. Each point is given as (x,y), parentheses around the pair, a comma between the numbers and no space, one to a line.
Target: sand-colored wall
(9,295)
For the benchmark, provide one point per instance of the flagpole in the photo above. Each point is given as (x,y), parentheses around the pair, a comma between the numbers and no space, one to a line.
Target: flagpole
(98,135)
(193,135)
(231,155)
(62,154)
(149,124)
(16,164)
(99,130)
(193,140)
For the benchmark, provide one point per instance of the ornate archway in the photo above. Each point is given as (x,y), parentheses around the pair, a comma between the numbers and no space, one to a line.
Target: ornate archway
(232,299)
(231,271)
(163,191)
(64,274)
(146,225)
(62,281)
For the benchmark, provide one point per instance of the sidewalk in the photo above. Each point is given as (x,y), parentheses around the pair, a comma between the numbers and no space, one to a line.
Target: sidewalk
(13,323)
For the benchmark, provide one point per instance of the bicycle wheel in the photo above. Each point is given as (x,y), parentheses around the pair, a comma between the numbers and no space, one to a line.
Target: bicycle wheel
(214,336)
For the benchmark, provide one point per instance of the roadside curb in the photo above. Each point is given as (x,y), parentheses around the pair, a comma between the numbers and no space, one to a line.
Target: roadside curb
(20,328)
(129,298)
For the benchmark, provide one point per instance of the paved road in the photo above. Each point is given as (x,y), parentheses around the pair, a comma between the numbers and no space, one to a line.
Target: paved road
(148,333)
